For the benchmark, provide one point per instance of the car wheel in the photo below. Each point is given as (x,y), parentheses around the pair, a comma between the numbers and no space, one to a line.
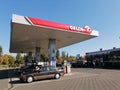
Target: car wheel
(29,79)
(57,76)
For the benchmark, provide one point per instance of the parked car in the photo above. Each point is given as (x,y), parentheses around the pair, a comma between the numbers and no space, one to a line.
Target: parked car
(27,68)
(42,73)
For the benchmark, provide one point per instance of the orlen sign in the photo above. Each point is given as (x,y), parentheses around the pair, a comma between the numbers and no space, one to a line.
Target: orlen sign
(85,29)
(59,26)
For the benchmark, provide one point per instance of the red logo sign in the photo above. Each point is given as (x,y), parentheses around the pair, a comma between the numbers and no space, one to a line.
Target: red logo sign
(85,29)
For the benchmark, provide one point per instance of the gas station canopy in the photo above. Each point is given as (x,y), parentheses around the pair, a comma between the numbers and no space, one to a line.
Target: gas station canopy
(28,33)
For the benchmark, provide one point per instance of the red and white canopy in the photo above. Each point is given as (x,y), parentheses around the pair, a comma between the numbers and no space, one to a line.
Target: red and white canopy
(28,33)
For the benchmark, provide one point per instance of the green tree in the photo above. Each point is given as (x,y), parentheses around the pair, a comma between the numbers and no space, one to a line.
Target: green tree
(25,58)
(1,60)
(5,59)
(1,55)
(71,58)
(11,61)
(19,59)
(22,60)
(57,54)
(44,57)
(63,55)
(18,56)
(0,51)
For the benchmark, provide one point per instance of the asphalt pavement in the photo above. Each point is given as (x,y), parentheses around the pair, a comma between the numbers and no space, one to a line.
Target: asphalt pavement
(79,79)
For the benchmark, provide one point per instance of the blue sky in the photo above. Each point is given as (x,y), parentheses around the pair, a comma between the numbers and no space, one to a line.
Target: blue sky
(101,15)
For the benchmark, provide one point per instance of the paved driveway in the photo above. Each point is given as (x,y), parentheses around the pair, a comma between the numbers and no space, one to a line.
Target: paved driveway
(80,79)
(4,79)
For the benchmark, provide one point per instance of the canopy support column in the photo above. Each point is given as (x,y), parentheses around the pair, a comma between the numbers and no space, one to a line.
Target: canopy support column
(38,55)
(52,52)
(29,58)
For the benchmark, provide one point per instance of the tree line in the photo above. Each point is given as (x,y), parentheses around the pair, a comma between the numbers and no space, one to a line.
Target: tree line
(11,61)
(19,59)
(64,56)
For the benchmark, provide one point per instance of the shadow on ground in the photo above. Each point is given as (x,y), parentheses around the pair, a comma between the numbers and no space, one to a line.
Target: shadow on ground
(8,73)
(4,74)
(13,82)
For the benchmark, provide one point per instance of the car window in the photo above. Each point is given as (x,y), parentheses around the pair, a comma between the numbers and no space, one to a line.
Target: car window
(45,69)
(52,68)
